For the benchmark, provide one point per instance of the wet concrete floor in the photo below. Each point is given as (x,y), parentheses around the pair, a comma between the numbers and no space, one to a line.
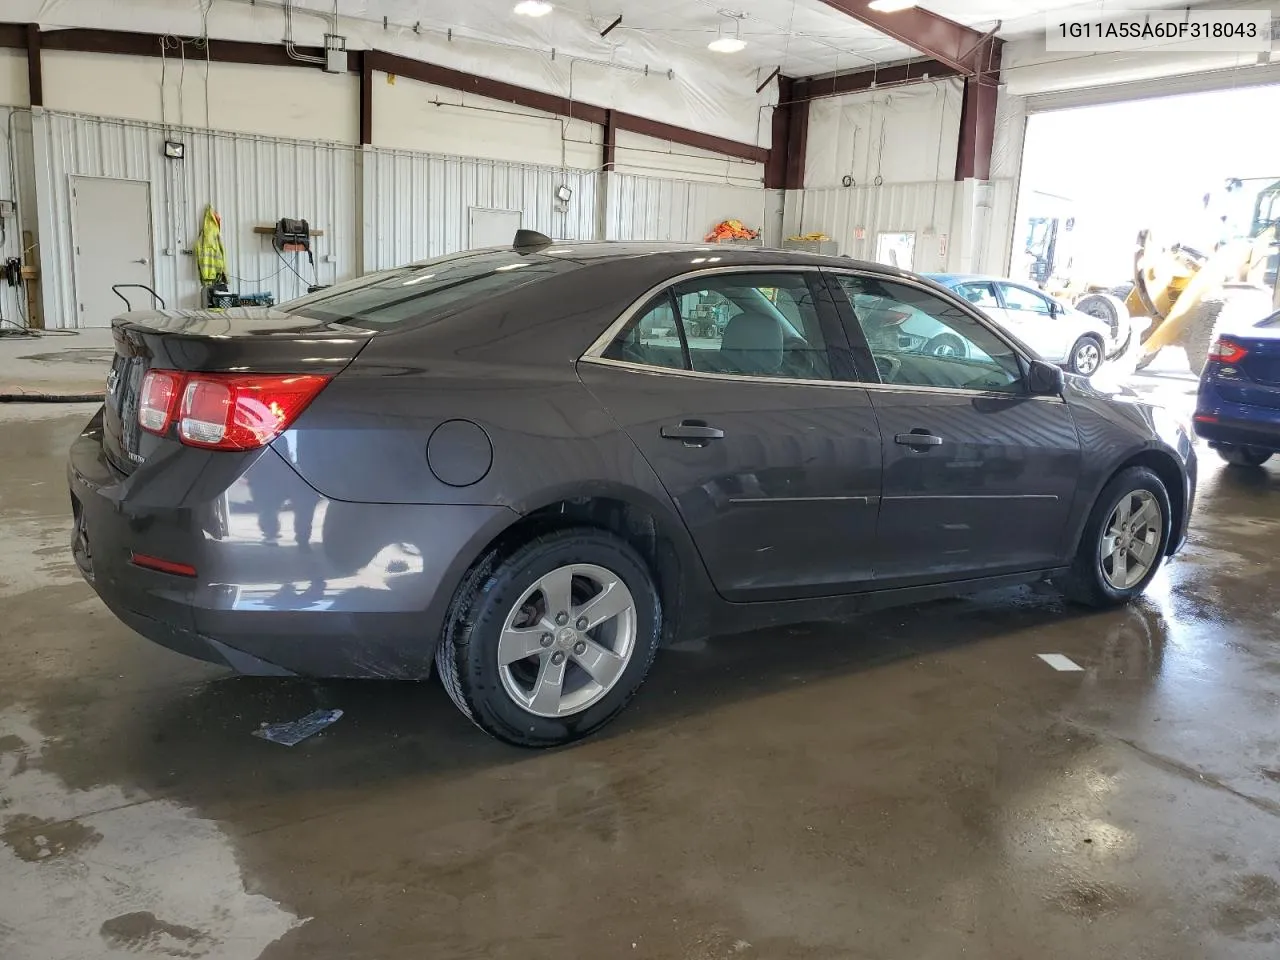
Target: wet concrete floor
(917,784)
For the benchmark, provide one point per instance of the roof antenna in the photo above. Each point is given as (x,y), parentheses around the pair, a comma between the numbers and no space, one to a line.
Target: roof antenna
(527,241)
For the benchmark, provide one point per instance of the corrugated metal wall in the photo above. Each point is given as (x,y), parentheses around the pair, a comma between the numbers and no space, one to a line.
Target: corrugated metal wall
(921,208)
(251,181)
(417,205)
(651,208)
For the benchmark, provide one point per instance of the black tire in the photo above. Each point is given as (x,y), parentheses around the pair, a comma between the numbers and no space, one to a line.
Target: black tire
(467,656)
(1110,310)
(1085,583)
(1239,456)
(1077,362)
(946,345)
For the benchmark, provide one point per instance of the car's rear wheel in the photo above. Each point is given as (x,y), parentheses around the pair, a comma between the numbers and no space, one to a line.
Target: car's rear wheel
(547,644)
(1123,542)
(1086,355)
(1240,456)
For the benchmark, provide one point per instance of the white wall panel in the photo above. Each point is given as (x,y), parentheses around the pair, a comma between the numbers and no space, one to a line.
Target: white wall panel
(417,205)
(247,98)
(13,78)
(925,209)
(903,135)
(251,181)
(408,115)
(634,71)
(650,208)
(650,157)
(994,229)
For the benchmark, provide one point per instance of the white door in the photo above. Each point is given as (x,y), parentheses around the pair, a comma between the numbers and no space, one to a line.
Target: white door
(493,228)
(111,231)
(1031,319)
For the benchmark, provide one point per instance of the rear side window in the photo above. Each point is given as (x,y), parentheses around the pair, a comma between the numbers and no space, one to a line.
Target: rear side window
(744,324)
(425,290)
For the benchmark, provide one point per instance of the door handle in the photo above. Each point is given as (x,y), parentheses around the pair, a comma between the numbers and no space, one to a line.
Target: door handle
(142,261)
(694,433)
(918,438)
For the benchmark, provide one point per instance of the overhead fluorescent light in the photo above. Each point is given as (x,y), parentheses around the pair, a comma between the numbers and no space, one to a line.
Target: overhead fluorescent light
(891,6)
(727,45)
(533,8)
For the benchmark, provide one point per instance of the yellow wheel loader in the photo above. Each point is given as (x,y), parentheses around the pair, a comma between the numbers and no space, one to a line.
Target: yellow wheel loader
(1186,295)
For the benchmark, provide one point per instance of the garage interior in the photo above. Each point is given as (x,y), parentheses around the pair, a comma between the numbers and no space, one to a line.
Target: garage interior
(921,782)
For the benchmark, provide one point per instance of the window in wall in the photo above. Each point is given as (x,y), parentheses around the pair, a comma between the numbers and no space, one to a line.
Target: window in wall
(896,249)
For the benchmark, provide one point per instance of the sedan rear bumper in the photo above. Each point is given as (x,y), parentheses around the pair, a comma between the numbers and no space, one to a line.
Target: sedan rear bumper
(1242,424)
(287,581)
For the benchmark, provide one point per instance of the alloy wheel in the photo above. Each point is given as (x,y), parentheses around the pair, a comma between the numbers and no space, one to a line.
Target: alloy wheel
(1131,539)
(567,640)
(1088,358)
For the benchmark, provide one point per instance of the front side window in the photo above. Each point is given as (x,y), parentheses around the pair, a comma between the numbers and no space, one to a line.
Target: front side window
(742,324)
(921,340)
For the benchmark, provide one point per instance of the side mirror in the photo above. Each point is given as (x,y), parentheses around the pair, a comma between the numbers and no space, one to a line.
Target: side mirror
(1045,379)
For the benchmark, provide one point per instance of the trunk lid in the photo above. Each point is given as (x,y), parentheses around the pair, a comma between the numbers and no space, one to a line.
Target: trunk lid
(1255,378)
(242,340)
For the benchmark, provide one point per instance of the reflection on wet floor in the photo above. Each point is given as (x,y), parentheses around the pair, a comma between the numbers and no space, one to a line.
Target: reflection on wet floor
(914,783)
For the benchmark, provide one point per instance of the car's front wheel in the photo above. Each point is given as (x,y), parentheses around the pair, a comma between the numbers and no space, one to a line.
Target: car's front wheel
(1239,456)
(547,644)
(1123,542)
(1086,355)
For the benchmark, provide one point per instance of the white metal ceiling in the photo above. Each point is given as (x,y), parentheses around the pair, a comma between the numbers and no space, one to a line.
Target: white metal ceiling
(803,37)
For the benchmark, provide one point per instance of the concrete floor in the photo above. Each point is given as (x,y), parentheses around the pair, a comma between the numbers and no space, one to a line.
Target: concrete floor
(915,785)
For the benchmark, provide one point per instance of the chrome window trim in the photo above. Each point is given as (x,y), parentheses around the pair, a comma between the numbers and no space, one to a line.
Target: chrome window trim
(594,353)
(843,384)
(601,343)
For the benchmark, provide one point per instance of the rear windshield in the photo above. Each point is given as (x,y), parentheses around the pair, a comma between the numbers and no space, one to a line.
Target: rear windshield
(425,290)
(1271,321)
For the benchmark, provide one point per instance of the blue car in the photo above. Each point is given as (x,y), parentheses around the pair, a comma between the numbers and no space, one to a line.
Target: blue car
(1238,407)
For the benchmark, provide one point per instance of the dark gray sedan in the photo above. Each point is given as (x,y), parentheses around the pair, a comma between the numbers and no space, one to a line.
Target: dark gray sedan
(533,466)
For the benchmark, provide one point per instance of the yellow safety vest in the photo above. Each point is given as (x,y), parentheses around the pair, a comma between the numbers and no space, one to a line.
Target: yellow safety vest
(211,258)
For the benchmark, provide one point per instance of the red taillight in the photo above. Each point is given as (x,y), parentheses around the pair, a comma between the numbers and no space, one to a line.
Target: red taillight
(1227,351)
(225,411)
(160,390)
(242,411)
(163,566)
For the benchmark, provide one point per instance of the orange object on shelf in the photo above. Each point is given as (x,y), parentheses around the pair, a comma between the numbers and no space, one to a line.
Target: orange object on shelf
(731,230)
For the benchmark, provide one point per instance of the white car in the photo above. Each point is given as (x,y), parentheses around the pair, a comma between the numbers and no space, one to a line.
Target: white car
(1056,332)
